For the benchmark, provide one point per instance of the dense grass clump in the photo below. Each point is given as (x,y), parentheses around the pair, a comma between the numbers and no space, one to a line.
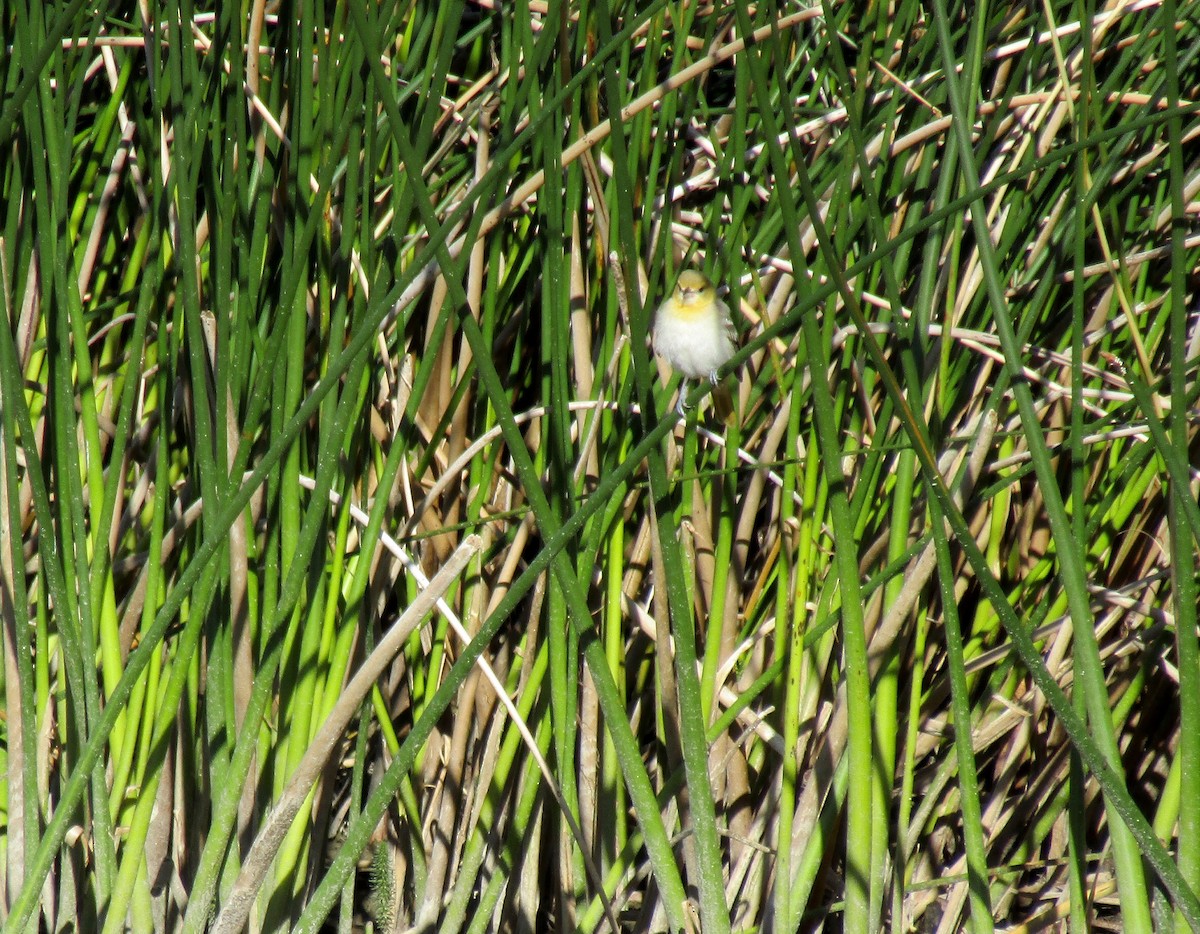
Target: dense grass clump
(357,569)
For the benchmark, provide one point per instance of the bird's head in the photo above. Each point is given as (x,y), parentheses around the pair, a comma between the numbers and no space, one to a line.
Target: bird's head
(694,289)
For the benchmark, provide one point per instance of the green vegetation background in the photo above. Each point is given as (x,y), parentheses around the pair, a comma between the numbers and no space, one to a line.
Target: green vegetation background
(358,572)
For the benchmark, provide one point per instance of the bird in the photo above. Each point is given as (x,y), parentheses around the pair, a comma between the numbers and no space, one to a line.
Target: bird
(693,330)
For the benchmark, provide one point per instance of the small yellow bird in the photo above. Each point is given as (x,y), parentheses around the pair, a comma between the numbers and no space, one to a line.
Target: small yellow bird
(693,329)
